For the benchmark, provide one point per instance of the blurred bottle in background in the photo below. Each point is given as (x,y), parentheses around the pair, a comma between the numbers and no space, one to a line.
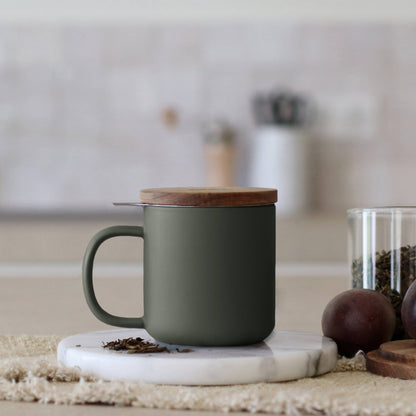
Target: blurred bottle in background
(281,156)
(220,156)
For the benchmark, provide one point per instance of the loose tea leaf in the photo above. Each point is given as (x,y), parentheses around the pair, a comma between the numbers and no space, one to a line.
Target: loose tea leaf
(134,346)
(138,346)
(395,269)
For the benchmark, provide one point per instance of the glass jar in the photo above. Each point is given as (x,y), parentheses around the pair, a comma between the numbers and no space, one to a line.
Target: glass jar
(382,252)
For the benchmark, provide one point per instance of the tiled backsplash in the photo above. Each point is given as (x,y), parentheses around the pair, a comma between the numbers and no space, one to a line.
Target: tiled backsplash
(81,106)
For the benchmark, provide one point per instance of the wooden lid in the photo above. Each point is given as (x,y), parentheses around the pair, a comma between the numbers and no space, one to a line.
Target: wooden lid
(209,196)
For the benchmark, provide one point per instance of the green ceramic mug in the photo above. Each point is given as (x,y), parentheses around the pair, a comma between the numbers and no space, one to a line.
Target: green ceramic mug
(209,273)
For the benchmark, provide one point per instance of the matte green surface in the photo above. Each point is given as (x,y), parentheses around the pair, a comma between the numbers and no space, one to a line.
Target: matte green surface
(87,275)
(209,274)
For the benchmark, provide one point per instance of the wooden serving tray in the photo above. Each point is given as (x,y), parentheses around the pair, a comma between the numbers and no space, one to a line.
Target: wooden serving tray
(394,359)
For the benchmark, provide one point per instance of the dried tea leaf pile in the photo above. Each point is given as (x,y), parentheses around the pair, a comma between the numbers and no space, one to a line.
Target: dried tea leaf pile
(134,346)
(389,266)
(138,346)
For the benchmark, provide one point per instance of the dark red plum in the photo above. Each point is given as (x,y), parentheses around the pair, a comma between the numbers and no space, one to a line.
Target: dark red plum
(358,319)
(409,310)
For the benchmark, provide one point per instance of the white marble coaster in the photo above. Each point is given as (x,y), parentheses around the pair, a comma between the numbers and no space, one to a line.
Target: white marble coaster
(284,355)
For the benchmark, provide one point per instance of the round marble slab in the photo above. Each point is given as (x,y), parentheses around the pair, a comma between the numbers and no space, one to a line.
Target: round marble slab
(284,355)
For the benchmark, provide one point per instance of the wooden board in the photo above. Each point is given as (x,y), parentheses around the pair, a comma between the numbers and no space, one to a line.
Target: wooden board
(209,196)
(394,359)
(403,351)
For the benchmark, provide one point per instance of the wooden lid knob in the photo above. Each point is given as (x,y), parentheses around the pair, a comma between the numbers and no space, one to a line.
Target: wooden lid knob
(209,196)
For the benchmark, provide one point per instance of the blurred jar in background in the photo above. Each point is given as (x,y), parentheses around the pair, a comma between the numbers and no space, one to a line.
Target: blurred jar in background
(220,154)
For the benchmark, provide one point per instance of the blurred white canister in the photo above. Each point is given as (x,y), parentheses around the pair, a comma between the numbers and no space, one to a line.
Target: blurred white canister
(280,159)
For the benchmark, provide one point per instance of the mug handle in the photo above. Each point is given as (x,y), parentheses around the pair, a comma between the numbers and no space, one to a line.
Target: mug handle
(87,282)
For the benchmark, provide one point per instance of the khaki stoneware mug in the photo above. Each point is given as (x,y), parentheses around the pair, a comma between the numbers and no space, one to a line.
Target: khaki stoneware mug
(209,265)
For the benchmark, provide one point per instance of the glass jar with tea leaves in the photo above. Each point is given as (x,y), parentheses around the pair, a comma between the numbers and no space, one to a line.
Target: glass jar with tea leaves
(382,252)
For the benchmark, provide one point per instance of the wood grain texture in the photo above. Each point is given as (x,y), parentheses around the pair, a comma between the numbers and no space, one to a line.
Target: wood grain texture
(209,196)
(394,359)
(403,351)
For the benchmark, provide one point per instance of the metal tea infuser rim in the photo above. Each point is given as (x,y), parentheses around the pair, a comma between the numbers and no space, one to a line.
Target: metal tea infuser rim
(142,204)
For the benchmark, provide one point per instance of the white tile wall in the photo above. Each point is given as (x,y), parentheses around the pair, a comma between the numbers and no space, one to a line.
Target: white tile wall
(81,106)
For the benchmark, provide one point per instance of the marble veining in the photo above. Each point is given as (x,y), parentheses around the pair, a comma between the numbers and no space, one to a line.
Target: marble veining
(283,356)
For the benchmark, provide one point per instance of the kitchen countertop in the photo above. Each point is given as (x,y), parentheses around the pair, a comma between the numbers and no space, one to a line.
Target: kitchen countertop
(61,237)
(55,305)
(41,292)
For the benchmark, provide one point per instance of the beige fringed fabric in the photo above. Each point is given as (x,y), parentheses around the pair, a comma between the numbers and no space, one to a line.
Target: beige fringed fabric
(29,372)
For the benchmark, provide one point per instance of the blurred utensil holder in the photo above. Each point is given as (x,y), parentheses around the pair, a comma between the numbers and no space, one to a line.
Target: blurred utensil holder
(281,150)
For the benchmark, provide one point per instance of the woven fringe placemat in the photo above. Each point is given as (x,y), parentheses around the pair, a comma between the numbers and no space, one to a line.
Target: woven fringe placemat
(29,372)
